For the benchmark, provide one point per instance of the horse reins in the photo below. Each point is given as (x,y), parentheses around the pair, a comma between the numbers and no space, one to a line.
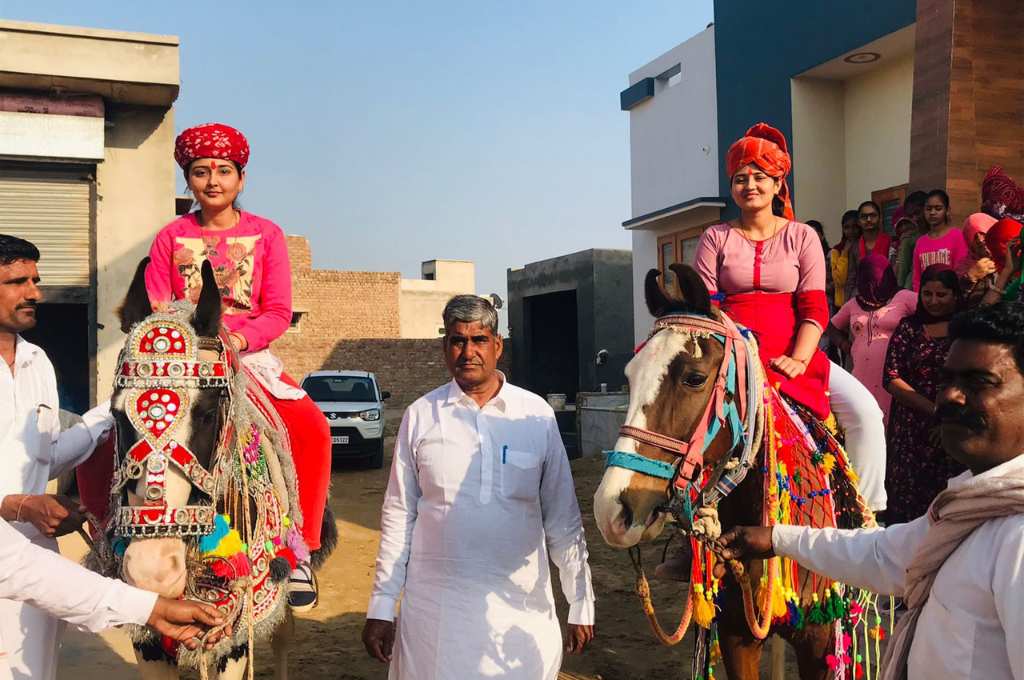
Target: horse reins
(738,370)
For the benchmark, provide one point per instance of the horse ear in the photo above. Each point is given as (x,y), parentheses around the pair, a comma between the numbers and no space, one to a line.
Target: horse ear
(206,319)
(136,305)
(658,301)
(692,287)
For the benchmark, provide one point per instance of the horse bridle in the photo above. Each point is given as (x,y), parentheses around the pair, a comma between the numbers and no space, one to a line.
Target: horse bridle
(736,379)
(157,368)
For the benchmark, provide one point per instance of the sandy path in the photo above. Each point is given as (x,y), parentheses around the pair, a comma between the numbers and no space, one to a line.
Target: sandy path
(329,644)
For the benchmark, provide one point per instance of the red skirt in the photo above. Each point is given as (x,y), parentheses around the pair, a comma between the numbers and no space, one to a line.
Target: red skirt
(773,319)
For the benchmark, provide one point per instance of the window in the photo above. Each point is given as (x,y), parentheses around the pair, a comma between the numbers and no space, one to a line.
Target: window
(671,77)
(889,199)
(339,388)
(678,246)
(296,323)
(666,257)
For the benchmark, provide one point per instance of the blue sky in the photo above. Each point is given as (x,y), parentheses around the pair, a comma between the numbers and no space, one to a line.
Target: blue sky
(394,132)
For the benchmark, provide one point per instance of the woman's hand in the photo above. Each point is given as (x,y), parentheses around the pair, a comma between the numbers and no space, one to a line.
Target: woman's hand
(978,249)
(788,366)
(980,269)
(238,341)
(1013,256)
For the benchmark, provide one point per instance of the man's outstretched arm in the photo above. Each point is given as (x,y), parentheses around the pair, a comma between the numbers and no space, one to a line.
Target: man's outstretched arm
(873,559)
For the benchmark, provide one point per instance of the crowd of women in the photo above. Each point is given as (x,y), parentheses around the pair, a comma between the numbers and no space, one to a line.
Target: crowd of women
(891,294)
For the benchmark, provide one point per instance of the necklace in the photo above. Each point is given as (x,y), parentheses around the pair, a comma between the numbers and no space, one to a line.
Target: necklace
(776,228)
(237,215)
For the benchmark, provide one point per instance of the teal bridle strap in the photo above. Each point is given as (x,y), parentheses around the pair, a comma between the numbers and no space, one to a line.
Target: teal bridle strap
(638,463)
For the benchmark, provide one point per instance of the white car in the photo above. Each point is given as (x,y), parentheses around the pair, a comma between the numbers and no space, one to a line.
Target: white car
(353,404)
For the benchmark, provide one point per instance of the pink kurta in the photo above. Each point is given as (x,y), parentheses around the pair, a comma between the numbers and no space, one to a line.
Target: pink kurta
(772,287)
(871,331)
(250,262)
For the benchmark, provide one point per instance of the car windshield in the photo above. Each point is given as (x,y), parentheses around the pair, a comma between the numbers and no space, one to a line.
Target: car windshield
(339,388)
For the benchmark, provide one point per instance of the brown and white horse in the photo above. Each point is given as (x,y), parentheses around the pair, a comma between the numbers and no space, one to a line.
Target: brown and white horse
(204,500)
(676,386)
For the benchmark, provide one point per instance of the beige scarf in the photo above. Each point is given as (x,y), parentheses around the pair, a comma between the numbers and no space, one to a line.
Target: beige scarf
(953,515)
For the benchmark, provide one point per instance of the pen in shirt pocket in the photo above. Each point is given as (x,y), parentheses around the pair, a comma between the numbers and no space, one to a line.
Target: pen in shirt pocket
(504,453)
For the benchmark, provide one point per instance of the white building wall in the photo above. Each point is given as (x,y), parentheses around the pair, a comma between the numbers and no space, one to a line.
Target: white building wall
(673,136)
(877,113)
(645,258)
(819,152)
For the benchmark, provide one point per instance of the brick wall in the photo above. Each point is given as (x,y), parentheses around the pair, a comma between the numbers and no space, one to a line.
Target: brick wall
(350,320)
(334,305)
(968,97)
(408,368)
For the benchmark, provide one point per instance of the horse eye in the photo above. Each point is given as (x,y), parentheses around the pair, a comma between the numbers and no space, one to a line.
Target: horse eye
(694,379)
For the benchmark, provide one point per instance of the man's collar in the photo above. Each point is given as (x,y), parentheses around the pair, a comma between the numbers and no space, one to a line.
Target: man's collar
(457,396)
(1014,465)
(24,351)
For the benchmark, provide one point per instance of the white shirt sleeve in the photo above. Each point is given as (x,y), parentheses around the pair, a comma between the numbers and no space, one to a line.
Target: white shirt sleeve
(563,530)
(398,517)
(58,586)
(873,559)
(74,445)
(1007,578)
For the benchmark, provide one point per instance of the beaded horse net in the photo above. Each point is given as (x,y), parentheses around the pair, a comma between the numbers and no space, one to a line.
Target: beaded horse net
(240,524)
(806,480)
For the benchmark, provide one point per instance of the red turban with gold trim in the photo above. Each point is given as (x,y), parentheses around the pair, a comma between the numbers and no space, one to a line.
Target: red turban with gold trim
(211,140)
(765,147)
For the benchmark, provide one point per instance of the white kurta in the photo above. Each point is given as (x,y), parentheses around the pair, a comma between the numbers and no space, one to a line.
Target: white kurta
(478,500)
(64,589)
(972,625)
(33,450)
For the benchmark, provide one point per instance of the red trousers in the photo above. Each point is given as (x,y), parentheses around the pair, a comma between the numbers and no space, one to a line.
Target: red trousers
(310,438)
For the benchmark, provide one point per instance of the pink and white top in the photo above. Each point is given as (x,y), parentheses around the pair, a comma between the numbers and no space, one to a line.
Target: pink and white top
(251,265)
(871,331)
(950,248)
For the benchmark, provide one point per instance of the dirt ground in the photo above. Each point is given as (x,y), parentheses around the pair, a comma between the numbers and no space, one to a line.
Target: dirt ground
(328,638)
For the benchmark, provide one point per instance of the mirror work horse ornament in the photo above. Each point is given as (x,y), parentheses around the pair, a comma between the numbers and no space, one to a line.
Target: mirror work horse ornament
(709,445)
(203,501)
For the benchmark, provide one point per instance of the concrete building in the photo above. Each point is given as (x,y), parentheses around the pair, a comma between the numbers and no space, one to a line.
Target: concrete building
(421,301)
(86,138)
(562,312)
(877,98)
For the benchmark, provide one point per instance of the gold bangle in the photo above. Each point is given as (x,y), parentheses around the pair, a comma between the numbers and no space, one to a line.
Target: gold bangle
(17,516)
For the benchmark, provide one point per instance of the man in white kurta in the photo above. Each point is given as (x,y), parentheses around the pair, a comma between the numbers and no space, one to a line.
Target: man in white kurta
(33,450)
(69,591)
(480,497)
(960,568)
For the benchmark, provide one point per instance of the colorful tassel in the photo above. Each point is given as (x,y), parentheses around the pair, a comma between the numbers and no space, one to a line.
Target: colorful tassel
(816,614)
(288,555)
(294,540)
(779,609)
(703,610)
(828,463)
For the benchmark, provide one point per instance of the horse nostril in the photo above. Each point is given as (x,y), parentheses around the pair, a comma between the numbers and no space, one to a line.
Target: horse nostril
(627,513)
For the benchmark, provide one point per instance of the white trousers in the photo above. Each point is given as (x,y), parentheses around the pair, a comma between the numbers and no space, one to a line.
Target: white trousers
(862,420)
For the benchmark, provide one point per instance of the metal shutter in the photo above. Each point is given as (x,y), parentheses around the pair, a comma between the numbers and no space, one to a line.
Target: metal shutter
(50,209)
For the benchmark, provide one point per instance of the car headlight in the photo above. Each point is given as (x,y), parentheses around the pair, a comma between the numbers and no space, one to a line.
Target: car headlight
(371,414)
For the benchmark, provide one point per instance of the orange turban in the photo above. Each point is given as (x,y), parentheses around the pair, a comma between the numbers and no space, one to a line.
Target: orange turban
(765,147)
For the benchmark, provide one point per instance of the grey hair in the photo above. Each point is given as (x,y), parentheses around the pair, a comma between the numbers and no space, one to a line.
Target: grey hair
(469,309)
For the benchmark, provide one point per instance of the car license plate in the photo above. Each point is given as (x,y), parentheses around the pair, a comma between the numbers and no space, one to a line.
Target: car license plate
(340,440)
